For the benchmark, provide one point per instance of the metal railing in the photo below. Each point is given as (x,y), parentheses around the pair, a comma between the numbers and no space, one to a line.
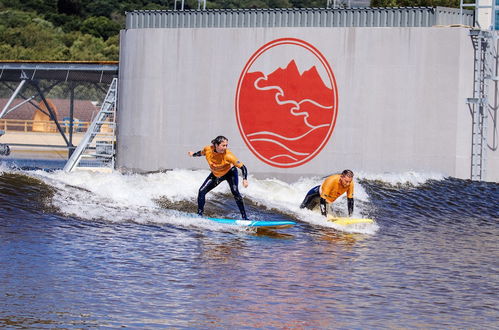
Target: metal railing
(305,17)
(40,126)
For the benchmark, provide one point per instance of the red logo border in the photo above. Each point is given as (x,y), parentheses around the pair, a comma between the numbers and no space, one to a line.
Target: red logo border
(322,59)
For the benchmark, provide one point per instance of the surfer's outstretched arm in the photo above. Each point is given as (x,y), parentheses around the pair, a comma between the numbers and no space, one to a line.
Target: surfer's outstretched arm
(195,154)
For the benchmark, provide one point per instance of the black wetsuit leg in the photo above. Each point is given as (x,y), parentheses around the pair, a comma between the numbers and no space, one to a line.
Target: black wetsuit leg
(311,199)
(210,183)
(233,180)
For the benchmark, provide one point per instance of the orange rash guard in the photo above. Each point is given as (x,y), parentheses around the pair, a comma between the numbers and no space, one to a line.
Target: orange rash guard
(331,188)
(220,164)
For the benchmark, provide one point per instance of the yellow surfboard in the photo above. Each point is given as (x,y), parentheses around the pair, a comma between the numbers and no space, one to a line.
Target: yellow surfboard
(348,221)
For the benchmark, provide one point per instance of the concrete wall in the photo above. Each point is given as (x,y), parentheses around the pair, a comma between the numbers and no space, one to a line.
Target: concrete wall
(401,96)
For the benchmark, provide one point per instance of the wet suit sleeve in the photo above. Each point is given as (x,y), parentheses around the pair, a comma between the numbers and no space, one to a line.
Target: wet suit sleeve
(323,205)
(197,154)
(237,163)
(245,172)
(350,199)
(350,206)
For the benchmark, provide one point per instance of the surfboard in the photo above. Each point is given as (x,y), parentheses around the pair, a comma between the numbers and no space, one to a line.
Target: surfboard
(254,224)
(348,221)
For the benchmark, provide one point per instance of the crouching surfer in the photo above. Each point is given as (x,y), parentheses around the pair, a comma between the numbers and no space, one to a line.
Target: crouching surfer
(332,187)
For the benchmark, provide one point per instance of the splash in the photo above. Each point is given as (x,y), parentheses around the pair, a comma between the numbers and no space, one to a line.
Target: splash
(119,198)
(140,198)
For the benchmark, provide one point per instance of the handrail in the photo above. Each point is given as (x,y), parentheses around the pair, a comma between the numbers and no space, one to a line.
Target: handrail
(41,126)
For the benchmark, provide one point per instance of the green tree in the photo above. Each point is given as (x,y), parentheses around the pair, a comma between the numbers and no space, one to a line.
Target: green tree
(112,48)
(39,6)
(280,4)
(87,48)
(100,27)
(308,3)
(100,7)
(415,3)
(16,18)
(66,22)
(69,7)
(384,3)
(36,40)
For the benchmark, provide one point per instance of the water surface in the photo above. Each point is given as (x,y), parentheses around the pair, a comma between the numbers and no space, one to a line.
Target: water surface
(111,250)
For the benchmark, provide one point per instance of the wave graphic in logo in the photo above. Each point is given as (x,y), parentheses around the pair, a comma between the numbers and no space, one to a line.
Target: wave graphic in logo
(286,116)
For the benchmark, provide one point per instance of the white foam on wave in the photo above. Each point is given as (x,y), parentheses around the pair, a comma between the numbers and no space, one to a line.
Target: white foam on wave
(409,177)
(120,197)
(287,197)
(3,168)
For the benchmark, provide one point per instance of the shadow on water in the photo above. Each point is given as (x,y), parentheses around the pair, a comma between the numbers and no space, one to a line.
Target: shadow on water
(273,233)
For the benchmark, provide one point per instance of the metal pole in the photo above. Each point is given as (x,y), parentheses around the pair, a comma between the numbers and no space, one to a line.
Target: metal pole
(20,104)
(71,118)
(30,99)
(13,96)
(493,15)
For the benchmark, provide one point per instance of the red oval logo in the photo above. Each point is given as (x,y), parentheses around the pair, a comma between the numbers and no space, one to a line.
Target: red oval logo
(286,102)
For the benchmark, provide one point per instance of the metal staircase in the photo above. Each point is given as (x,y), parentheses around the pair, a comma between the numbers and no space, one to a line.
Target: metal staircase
(97,148)
(484,73)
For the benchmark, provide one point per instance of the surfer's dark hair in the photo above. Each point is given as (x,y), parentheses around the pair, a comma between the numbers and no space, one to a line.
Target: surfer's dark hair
(348,173)
(219,139)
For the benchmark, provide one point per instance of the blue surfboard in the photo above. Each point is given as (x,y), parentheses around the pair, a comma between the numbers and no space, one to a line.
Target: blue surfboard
(255,224)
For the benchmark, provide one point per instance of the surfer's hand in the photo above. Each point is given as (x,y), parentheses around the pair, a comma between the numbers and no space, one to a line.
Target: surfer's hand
(190,153)
(245,183)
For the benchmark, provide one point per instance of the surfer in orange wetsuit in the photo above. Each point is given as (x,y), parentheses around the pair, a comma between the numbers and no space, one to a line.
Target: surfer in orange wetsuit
(333,187)
(223,165)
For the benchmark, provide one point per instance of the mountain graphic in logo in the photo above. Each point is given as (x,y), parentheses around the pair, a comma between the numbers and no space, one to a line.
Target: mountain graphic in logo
(286,116)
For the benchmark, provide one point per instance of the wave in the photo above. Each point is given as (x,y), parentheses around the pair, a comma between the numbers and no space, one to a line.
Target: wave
(397,178)
(169,198)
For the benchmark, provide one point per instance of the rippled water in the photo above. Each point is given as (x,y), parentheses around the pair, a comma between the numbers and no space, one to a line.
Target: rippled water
(110,250)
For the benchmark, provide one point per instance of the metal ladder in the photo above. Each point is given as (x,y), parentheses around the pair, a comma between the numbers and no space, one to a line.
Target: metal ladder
(98,144)
(484,73)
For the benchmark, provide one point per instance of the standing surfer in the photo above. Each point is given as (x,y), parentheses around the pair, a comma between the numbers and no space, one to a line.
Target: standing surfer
(223,165)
